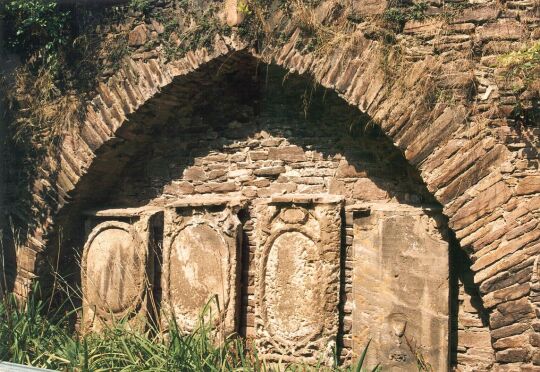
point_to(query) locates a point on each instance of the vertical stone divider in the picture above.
(400, 286)
(347, 299)
(118, 267)
(297, 278)
(535, 301)
(246, 327)
(201, 264)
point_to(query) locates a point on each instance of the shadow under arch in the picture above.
(235, 102)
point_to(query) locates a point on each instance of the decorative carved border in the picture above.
(317, 218)
(219, 214)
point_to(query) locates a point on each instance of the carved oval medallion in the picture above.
(114, 266)
(291, 287)
(294, 215)
(199, 269)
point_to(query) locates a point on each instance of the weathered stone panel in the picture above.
(201, 258)
(117, 267)
(400, 287)
(297, 277)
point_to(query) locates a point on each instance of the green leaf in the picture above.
(362, 358)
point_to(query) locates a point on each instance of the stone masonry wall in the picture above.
(258, 141)
(253, 135)
(470, 340)
(476, 157)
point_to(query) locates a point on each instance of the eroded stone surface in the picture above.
(200, 267)
(297, 278)
(117, 268)
(112, 261)
(200, 261)
(400, 288)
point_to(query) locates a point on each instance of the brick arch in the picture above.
(469, 160)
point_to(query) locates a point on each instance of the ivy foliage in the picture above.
(37, 30)
(396, 16)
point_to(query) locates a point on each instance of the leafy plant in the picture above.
(523, 68)
(143, 6)
(359, 367)
(243, 7)
(396, 17)
(37, 29)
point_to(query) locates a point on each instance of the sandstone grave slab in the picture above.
(297, 277)
(201, 258)
(400, 286)
(117, 266)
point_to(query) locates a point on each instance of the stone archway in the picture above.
(477, 167)
(215, 152)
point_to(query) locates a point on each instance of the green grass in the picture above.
(524, 63)
(33, 335)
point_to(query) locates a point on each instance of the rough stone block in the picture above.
(511, 312)
(179, 188)
(258, 155)
(511, 342)
(423, 28)
(506, 294)
(511, 355)
(137, 36)
(286, 153)
(511, 330)
(478, 15)
(366, 189)
(195, 174)
(501, 30)
(528, 185)
(233, 16)
(269, 171)
(474, 339)
(276, 189)
(481, 205)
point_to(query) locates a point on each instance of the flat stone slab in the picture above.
(116, 267)
(400, 286)
(201, 257)
(394, 207)
(307, 199)
(297, 278)
(208, 200)
(122, 212)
